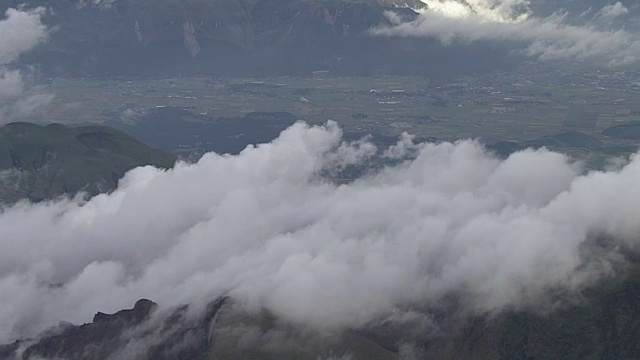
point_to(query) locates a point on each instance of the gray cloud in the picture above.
(20, 31)
(11, 85)
(511, 21)
(610, 12)
(264, 228)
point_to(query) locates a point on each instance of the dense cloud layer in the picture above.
(264, 228)
(599, 36)
(20, 31)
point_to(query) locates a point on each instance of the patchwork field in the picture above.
(497, 107)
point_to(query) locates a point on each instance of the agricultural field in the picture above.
(519, 107)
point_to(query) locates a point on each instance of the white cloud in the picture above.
(613, 11)
(510, 21)
(506, 11)
(263, 228)
(103, 4)
(20, 31)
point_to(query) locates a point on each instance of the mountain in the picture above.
(192, 134)
(241, 37)
(43, 162)
(223, 331)
(603, 322)
(625, 131)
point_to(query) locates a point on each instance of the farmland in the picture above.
(522, 106)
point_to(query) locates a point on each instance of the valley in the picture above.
(529, 106)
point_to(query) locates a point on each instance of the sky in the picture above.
(264, 228)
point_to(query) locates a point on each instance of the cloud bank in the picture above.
(20, 31)
(601, 39)
(264, 228)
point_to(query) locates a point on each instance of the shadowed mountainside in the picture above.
(243, 37)
(603, 322)
(43, 162)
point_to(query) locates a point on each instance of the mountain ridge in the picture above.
(242, 38)
(43, 162)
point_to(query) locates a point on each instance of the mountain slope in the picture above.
(223, 331)
(601, 323)
(42, 162)
(241, 37)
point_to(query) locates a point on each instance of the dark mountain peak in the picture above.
(96, 340)
(606, 315)
(127, 334)
(141, 310)
(224, 330)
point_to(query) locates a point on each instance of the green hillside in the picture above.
(42, 162)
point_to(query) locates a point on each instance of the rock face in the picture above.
(138, 333)
(238, 334)
(43, 162)
(91, 341)
(223, 331)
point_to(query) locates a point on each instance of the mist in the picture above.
(598, 36)
(21, 30)
(265, 228)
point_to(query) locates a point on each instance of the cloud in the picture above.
(11, 86)
(512, 22)
(613, 11)
(505, 11)
(20, 31)
(264, 228)
(102, 4)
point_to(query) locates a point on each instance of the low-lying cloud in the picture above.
(264, 228)
(20, 31)
(599, 38)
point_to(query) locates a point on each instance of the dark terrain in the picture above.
(244, 37)
(191, 135)
(44, 162)
(603, 322)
